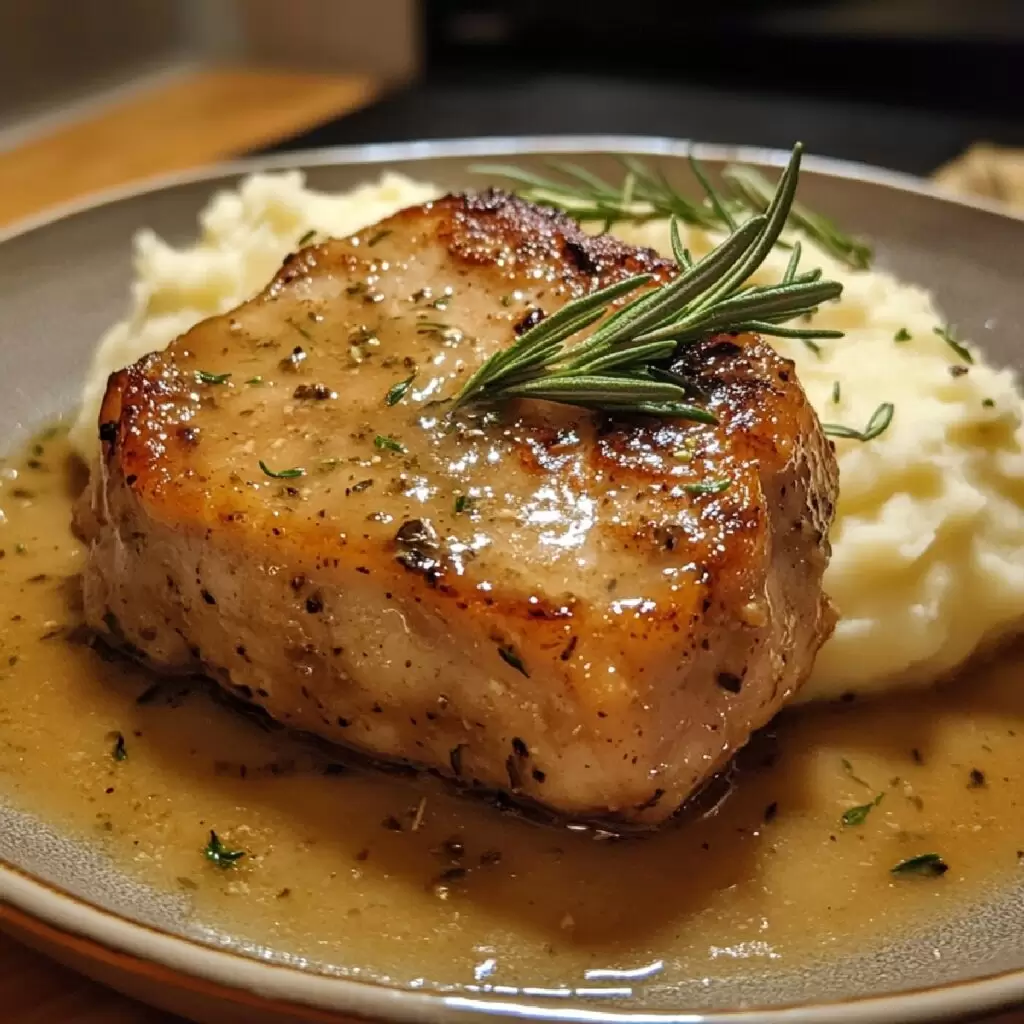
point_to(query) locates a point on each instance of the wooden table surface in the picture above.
(202, 117)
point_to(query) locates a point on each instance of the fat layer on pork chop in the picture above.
(590, 613)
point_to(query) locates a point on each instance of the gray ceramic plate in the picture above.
(65, 279)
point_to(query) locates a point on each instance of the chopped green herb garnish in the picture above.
(857, 815)
(378, 236)
(307, 237)
(385, 443)
(947, 335)
(432, 327)
(302, 330)
(120, 752)
(20, 549)
(928, 864)
(902, 335)
(510, 657)
(212, 378)
(464, 503)
(506, 300)
(836, 393)
(255, 380)
(282, 474)
(848, 768)
(708, 486)
(397, 391)
(988, 403)
(812, 345)
(878, 424)
(219, 854)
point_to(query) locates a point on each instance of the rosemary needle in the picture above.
(757, 192)
(646, 195)
(948, 335)
(878, 424)
(623, 366)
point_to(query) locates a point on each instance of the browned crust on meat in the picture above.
(753, 391)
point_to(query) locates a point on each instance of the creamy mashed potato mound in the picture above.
(928, 543)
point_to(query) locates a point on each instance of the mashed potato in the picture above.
(928, 544)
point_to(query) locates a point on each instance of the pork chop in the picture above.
(592, 614)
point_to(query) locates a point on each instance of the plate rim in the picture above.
(503, 146)
(67, 914)
(368, 1000)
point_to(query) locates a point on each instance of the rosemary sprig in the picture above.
(623, 366)
(756, 192)
(587, 197)
(645, 195)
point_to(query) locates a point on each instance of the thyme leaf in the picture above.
(902, 335)
(217, 853)
(926, 864)
(397, 391)
(708, 486)
(385, 443)
(857, 815)
(120, 751)
(282, 474)
(212, 378)
(510, 657)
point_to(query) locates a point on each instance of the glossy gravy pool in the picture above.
(398, 879)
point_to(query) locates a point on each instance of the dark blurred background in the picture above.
(148, 86)
(902, 83)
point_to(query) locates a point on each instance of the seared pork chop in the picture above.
(592, 614)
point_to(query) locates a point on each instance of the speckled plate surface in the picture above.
(65, 278)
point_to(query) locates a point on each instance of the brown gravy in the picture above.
(398, 879)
